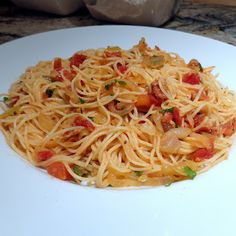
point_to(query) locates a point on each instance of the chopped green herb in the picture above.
(189, 172)
(171, 109)
(121, 82)
(110, 185)
(138, 173)
(91, 118)
(111, 94)
(49, 92)
(5, 99)
(76, 170)
(82, 101)
(200, 67)
(107, 86)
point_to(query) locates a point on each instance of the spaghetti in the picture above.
(114, 117)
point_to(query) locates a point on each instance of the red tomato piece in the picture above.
(145, 101)
(229, 128)
(58, 170)
(166, 121)
(77, 59)
(13, 101)
(206, 130)
(122, 68)
(80, 121)
(176, 116)
(202, 154)
(191, 78)
(57, 64)
(198, 119)
(70, 75)
(44, 155)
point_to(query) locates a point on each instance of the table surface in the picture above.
(214, 21)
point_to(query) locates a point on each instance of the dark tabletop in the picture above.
(214, 21)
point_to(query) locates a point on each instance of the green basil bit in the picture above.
(171, 109)
(82, 101)
(109, 185)
(49, 92)
(112, 94)
(5, 99)
(138, 173)
(107, 86)
(191, 174)
(121, 82)
(91, 118)
(76, 170)
(200, 67)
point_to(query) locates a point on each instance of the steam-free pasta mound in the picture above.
(118, 118)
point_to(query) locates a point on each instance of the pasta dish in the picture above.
(116, 118)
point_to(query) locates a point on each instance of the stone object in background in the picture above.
(60, 7)
(139, 12)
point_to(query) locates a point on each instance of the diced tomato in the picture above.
(166, 121)
(44, 155)
(176, 116)
(229, 128)
(191, 78)
(13, 101)
(202, 154)
(145, 101)
(156, 91)
(70, 75)
(57, 64)
(112, 54)
(80, 121)
(58, 170)
(77, 59)
(198, 119)
(157, 48)
(122, 68)
(141, 122)
(58, 78)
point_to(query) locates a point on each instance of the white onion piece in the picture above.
(180, 132)
(170, 143)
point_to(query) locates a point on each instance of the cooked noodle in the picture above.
(114, 117)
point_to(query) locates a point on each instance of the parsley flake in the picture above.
(191, 174)
(171, 109)
(138, 173)
(49, 92)
(76, 170)
(82, 101)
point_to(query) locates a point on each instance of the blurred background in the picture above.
(211, 18)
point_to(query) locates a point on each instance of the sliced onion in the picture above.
(170, 143)
(181, 133)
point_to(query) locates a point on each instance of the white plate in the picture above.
(33, 203)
